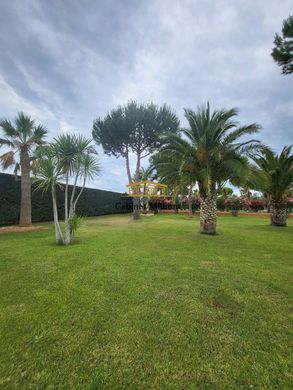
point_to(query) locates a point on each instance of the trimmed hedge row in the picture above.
(92, 202)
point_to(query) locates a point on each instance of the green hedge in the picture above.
(92, 202)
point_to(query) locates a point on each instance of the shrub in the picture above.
(290, 205)
(92, 202)
(221, 203)
(233, 204)
(257, 204)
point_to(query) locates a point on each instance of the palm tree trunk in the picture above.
(58, 232)
(208, 215)
(25, 205)
(278, 209)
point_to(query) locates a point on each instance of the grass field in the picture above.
(148, 304)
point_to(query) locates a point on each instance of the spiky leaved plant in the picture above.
(70, 157)
(210, 150)
(21, 137)
(272, 174)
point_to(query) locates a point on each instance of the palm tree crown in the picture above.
(273, 173)
(20, 137)
(210, 149)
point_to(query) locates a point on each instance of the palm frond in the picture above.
(90, 167)
(38, 135)
(8, 129)
(6, 142)
(7, 159)
(273, 173)
(24, 125)
(207, 151)
(240, 132)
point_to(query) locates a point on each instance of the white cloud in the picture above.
(79, 60)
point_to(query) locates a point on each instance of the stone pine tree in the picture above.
(21, 137)
(282, 52)
(134, 129)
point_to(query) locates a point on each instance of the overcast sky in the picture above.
(65, 62)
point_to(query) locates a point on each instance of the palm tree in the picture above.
(273, 175)
(171, 172)
(21, 137)
(210, 151)
(69, 157)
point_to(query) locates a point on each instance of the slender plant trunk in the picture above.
(136, 208)
(66, 199)
(79, 194)
(190, 208)
(208, 215)
(67, 239)
(58, 232)
(136, 199)
(128, 167)
(190, 203)
(68, 233)
(147, 205)
(25, 205)
(68, 236)
(177, 204)
(278, 209)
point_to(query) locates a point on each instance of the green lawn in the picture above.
(149, 304)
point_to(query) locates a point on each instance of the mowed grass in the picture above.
(148, 304)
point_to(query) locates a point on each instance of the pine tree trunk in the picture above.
(136, 207)
(147, 205)
(278, 209)
(136, 199)
(25, 205)
(208, 215)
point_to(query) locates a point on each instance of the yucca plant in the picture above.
(272, 174)
(70, 157)
(76, 161)
(49, 174)
(21, 137)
